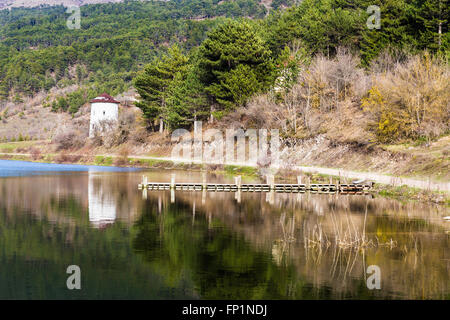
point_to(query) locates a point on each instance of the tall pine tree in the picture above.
(154, 81)
(234, 64)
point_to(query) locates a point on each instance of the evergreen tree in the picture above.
(323, 25)
(431, 23)
(396, 30)
(153, 83)
(186, 100)
(233, 52)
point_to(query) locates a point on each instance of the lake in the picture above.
(132, 244)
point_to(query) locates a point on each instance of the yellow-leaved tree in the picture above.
(412, 101)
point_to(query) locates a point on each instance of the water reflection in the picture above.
(322, 243)
(102, 205)
(213, 245)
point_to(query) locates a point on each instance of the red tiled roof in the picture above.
(104, 98)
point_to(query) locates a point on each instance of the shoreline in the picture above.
(108, 159)
(390, 186)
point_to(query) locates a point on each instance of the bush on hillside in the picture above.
(412, 101)
(69, 138)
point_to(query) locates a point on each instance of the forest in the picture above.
(38, 51)
(302, 68)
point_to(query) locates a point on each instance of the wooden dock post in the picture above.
(204, 181)
(338, 184)
(204, 187)
(172, 181)
(270, 180)
(144, 181)
(237, 182)
(172, 188)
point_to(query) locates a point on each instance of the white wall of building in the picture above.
(102, 111)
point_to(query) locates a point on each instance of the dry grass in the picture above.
(411, 101)
(344, 234)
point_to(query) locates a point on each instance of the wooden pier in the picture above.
(267, 187)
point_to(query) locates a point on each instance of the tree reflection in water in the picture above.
(213, 245)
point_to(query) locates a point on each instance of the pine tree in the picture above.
(232, 52)
(186, 99)
(431, 23)
(396, 30)
(152, 84)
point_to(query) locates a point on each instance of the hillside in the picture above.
(6, 4)
(341, 94)
(38, 52)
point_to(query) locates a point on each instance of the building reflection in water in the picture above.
(102, 205)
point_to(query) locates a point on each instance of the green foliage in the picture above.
(38, 51)
(60, 104)
(187, 99)
(158, 81)
(103, 161)
(325, 25)
(75, 100)
(241, 170)
(289, 64)
(410, 102)
(430, 16)
(234, 64)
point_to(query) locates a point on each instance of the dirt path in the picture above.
(380, 178)
(375, 177)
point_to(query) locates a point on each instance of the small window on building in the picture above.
(103, 112)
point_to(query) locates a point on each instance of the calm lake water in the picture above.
(195, 245)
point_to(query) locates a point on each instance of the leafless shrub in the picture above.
(105, 133)
(138, 135)
(319, 84)
(65, 157)
(97, 139)
(388, 60)
(123, 157)
(112, 133)
(35, 154)
(68, 138)
(345, 72)
(411, 101)
(127, 117)
(261, 112)
(325, 92)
